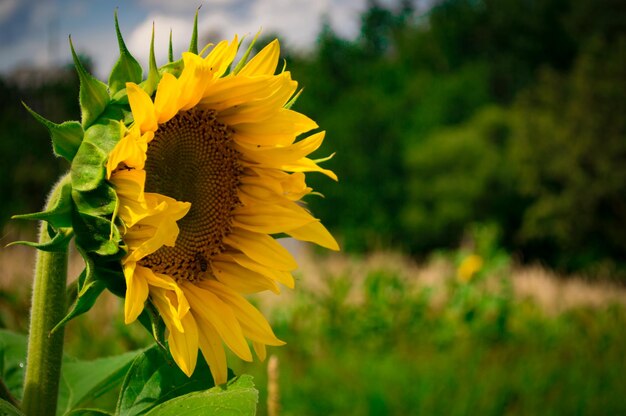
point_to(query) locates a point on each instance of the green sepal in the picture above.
(193, 45)
(154, 77)
(88, 170)
(66, 137)
(58, 242)
(60, 215)
(170, 50)
(88, 292)
(245, 56)
(92, 218)
(294, 99)
(126, 69)
(93, 95)
(100, 273)
(175, 68)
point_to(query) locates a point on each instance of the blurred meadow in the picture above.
(481, 209)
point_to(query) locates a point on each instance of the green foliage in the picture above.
(7, 409)
(456, 177)
(147, 382)
(27, 171)
(154, 379)
(384, 344)
(570, 147)
(83, 382)
(426, 111)
(237, 398)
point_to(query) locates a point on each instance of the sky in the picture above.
(35, 32)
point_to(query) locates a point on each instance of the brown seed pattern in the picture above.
(191, 159)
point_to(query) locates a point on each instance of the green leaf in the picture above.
(59, 215)
(126, 69)
(13, 361)
(88, 412)
(81, 381)
(237, 398)
(84, 381)
(93, 95)
(7, 409)
(66, 137)
(154, 378)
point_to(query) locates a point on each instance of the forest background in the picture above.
(499, 112)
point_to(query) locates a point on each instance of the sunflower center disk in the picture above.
(191, 159)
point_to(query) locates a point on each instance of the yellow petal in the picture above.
(271, 219)
(160, 225)
(241, 279)
(222, 56)
(174, 293)
(280, 276)
(142, 107)
(136, 293)
(130, 150)
(294, 186)
(207, 305)
(278, 156)
(184, 345)
(281, 128)
(260, 350)
(253, 324)
(260, 110)
(230, 91)
(307, 165)
(261, 248)
(192, 82)
(316, 233)
(129, 187)
(264, 62)
(166, 100)
(213, 351)
(167, 307)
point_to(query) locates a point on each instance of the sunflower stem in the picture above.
(45, 350)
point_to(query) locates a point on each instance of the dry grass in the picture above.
(552, 292)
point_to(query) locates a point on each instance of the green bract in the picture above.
(87, 206)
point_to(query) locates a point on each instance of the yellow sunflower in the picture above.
(209, 171)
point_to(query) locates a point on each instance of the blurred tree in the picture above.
(459, 176)
(570, 148)
(27, 167)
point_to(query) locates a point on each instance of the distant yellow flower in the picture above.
(205, 175)
(469, 267)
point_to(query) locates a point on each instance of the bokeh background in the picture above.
(481, 206)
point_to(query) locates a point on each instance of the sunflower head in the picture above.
(179, 185)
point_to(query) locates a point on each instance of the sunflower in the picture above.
(207, 174)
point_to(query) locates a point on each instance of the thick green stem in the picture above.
(45, 350)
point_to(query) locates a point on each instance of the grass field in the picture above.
(379, 334)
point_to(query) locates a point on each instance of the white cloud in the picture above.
(297, 22)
